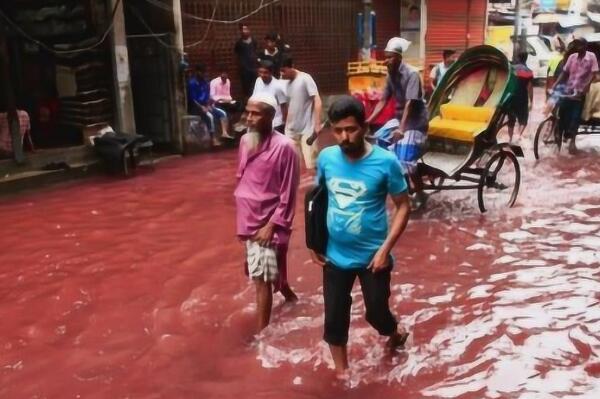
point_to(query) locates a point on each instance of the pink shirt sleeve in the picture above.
(284, 213)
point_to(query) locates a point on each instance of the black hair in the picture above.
(200, 68)
(267, 64)
(522, 56)
(580, 41)
(271, 36)
(413, 8)
(345, 107)
(287, 61)
(448, 53)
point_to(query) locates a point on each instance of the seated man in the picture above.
(198, 92)
(220, 96)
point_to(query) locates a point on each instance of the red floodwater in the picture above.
(134, 289)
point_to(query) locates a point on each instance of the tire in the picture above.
(547, 138)
(500, 181)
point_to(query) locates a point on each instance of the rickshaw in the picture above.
(549, 137)
(466, 112)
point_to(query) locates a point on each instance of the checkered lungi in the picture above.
(408, 150)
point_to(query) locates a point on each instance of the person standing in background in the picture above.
(246, 51)
(303, 122)
(267, 83)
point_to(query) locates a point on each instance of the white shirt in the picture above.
(277, 89)
(301, 94)
(438, 72)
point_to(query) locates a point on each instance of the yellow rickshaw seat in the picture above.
(460, 122)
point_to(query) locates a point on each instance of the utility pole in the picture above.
(122, 82)
(367, 29)
(517, 30)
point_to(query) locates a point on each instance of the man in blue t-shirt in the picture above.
(359, 177)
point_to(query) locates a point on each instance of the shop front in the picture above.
(58, 90)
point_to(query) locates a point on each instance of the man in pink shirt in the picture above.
(579, 71)
(268, 176)
(220, 89)
(220, 97)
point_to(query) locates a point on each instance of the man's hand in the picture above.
(264, 236)
(317, 259)
(380, 261)
(312, 138)
(397, 135)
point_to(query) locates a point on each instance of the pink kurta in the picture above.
(268, 181)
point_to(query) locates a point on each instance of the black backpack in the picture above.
(315, 218)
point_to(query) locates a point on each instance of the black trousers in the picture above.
(337, 288)
(248, 79)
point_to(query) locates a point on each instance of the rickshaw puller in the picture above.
(405, 134)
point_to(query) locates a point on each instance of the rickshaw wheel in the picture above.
(547, 138)
(500, 181)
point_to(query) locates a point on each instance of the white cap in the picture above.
(264, 98)
(397, 45)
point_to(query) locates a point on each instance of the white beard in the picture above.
(253, 140)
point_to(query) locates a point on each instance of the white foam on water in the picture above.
(436, 300)
(480, 291)
(517, 235)
(589, 241)
(506, 259)
(530, 262)
(510, 249)
(481, 247)
(585, 207)
(579, 228)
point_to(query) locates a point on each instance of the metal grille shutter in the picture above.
(321, 34)
(456, 24)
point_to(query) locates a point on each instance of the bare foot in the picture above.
(288, 294)
(397, 341)
(572, 147)
(342, 375)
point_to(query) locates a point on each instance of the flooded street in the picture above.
(134, 289)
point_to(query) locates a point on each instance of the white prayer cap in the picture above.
(397, 45)
(264, 98)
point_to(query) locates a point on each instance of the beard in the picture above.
(352, 149)
(253, 139)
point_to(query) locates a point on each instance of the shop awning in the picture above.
(594, 16)
(550, 18)
(593, 37)
(571, 21)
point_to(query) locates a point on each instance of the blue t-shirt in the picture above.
(356, 215)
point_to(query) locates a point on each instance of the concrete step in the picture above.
(28, 178)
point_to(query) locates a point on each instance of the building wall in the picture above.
(322, 35)
(456, 24)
